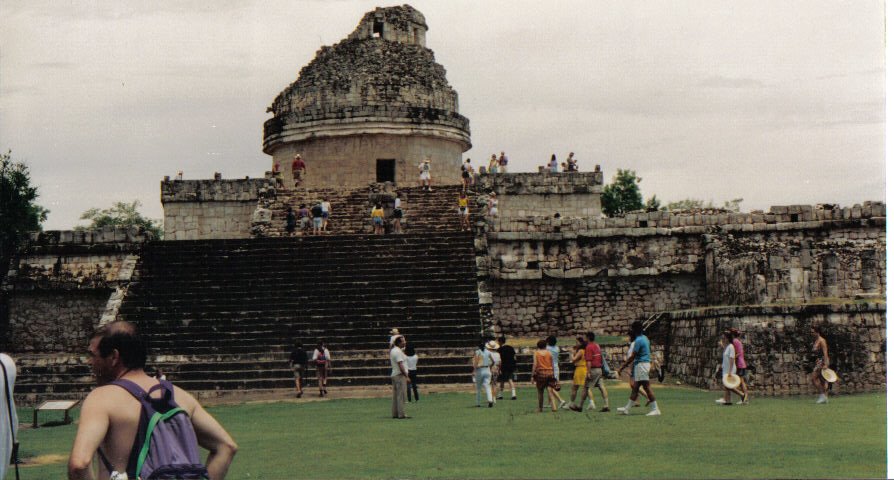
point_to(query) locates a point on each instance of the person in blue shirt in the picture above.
(641, 359)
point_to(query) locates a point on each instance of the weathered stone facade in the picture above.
(376, 97)
(63, 284)
(777, 343)
(576, 194)
(203, 209)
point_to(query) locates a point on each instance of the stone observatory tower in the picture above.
(371, 109)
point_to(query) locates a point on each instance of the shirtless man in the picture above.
(110, 414)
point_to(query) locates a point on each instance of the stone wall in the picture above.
(202, 209)
(662, 259)
(51, 321)
(61, 285)
(350, 161)
(602, 305)
(576, 194)
(777, 343)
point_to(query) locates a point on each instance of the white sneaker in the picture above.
(623, 411)
(592, 406)
(740, 402)
(653, 413)
(564, 405)
(822, 399)
(720, 401)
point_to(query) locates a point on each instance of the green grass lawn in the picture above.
(449, 438)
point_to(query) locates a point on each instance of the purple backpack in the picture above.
(165, 446)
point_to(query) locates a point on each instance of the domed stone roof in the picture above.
(382, 73)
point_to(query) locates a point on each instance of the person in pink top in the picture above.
(741, 365)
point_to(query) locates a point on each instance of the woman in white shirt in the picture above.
(323, 362)
(728, 367)
(412, 361)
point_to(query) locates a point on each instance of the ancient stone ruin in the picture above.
(227, 291)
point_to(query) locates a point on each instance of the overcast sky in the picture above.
(774, 102)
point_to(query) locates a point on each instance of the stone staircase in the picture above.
(222, 315)
(424, 211)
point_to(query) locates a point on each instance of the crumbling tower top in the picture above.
(402, 24)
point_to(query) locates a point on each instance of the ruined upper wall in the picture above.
(570, 194)
(199, 209)
(370, 80)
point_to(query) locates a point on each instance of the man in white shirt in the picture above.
(9, 421)
(399, 377)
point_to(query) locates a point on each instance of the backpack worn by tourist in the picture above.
(165, 446)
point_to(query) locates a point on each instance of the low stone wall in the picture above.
(204, 209)
(62, 284)
(54, 321)
(573, 194)
(601, 305)
(778, 344)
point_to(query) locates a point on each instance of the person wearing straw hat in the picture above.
(482, 361)
(395, 333)
(821, 353)
(493, 347)
(731, 381)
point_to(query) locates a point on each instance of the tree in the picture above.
(653, 204)
(19, 214)
(122, 215)
(622, 195)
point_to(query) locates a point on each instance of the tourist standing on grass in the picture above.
(397, 214)
(552, 346)
(728, 367)
(323, 361)
(464, 212)
(579, 378)
(595, 373)
(9, 420)
(378, 219)
(412, 362)
(399, 378)
(482, 360)
(493, 348)
(326, 209)
(641, 361)
(290, 221)
(741, 364)
(542, 376)
(114, 415)
(298, 364)
(507, 367)
(821, 360)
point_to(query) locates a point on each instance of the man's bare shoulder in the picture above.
(107, 395)
(185, 400)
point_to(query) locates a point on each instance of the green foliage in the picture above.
(122, 215)
(653, 204)
(696, 204)
(788, 437)
(622, 195)
(19, 212)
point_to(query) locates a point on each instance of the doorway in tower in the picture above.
(385, 170)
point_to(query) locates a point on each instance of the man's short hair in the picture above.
(124, 337)
(591, 336)
(502, 339)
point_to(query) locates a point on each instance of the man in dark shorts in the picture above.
(298, 364)
(507, 367)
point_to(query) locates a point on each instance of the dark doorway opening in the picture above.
(385, 170)
(378, 29)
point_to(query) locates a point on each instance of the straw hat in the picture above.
(829, 375)
(394, 331)
(492, 345)
(731, 381)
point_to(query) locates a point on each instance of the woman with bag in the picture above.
(323, 362)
